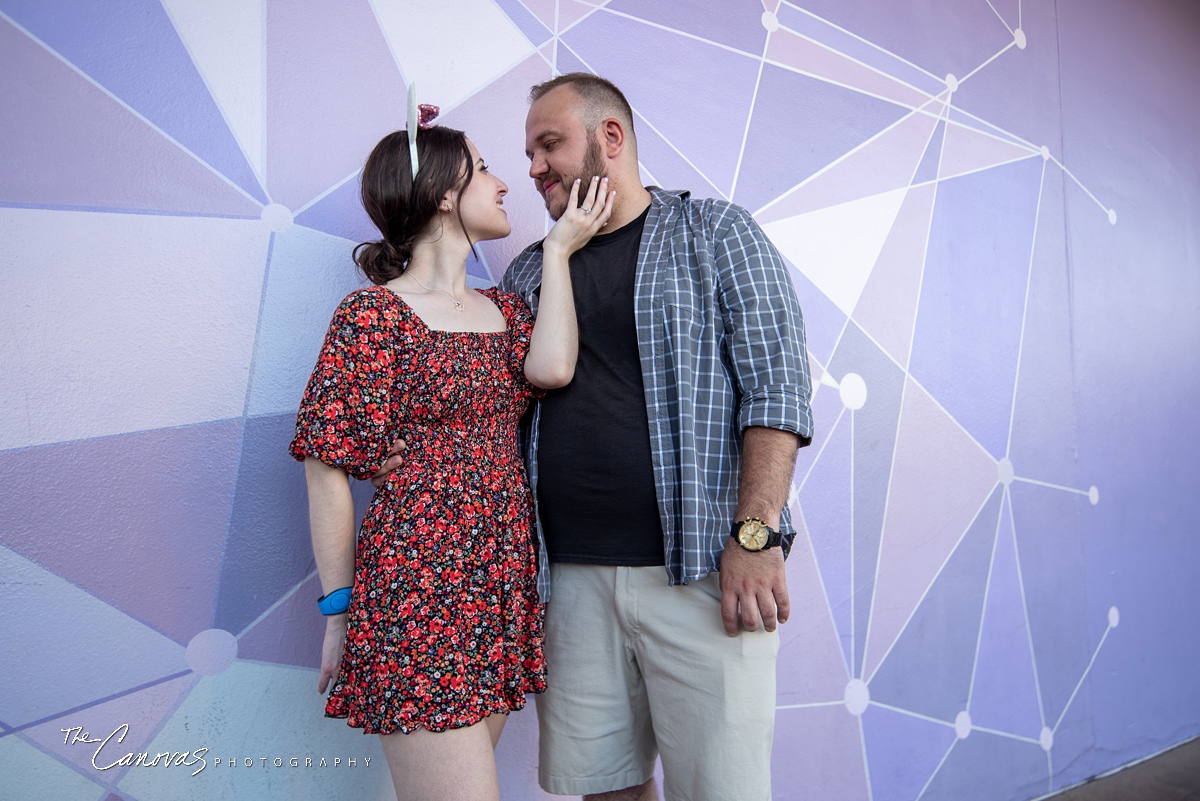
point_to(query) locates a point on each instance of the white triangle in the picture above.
(457, 49)
(837, 247)
(225, 40)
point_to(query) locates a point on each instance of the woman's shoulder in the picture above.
(371, 305)
(509, 303)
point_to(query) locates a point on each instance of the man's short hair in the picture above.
(601, 100)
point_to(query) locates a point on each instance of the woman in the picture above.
(433, 629)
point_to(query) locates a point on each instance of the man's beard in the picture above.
(593, 164)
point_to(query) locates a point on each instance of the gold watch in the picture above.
(754, 534)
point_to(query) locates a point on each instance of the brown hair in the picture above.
(601, 99)
(400, 209)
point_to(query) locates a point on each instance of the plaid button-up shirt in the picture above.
(721, 344)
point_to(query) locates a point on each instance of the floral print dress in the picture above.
(444, 627)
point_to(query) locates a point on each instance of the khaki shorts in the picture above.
(638, 669)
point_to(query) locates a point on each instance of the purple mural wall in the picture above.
(990, 208)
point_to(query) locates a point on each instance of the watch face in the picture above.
(753, 535)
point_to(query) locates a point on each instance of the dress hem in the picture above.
(458, 723)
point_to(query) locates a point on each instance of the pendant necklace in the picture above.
(458, 304)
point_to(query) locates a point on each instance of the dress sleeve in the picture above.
(346, 411)
(520, 328)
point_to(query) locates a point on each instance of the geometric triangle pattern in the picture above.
(903, 752)
(154, 76)
(1005, 693)
(938, 641)
(178, 205)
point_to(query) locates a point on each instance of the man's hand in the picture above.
(753, 585)
(392, 462)
(331, 650)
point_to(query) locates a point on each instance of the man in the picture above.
(682, 422)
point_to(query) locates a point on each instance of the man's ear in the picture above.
(613, 137)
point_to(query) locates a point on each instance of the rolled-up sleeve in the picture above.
(764, 328)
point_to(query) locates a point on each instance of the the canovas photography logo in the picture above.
(109, 754)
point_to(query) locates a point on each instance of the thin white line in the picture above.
(997, 13)
(1049, 770)
(262, 120)
(650, 125)
(1006, 734)
(1004, 50)
(1033, 151)
(1049, 485)
(1019, 13)
(994, 127)
(649, 174)
(216, 102)
(522, 4)
(1063, 167)
(987, 591)
(940, 118)
(795, 493)
(912, 714)
(277, 604)
(853, 662)
(933, 775)
(134, 111)
(1037, 683)
(853, 60)
(859, 38)
(862, 738)
(837, 640)
(557, 33)
(975, 171)
(549, 62)
(592, 6)
(326, 193)
(842, 158)
(1086, 670)
(1012, 415)
(925, 592)
(669, 29)
(670, 144)
(903, 393)
(812, 705)
(851, 87)
(737, 170)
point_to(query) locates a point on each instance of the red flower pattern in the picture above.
(444, 627)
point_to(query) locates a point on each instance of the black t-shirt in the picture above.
(596, 493)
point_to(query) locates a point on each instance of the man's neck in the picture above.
(627, 207)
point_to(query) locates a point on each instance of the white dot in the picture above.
(770, 21)
(211, 651)
(951, 82)
(1094, 495)
(1114, 617)
(277, 217)
(857, 697)
(1019, 38)
(962, 725)
(1004, 470)
(1046, 738)
(1045, 153)
(1112, 216)
(853, 391)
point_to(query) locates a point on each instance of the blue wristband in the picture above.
(335, 602)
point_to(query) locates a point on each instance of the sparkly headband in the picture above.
(421, 116)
